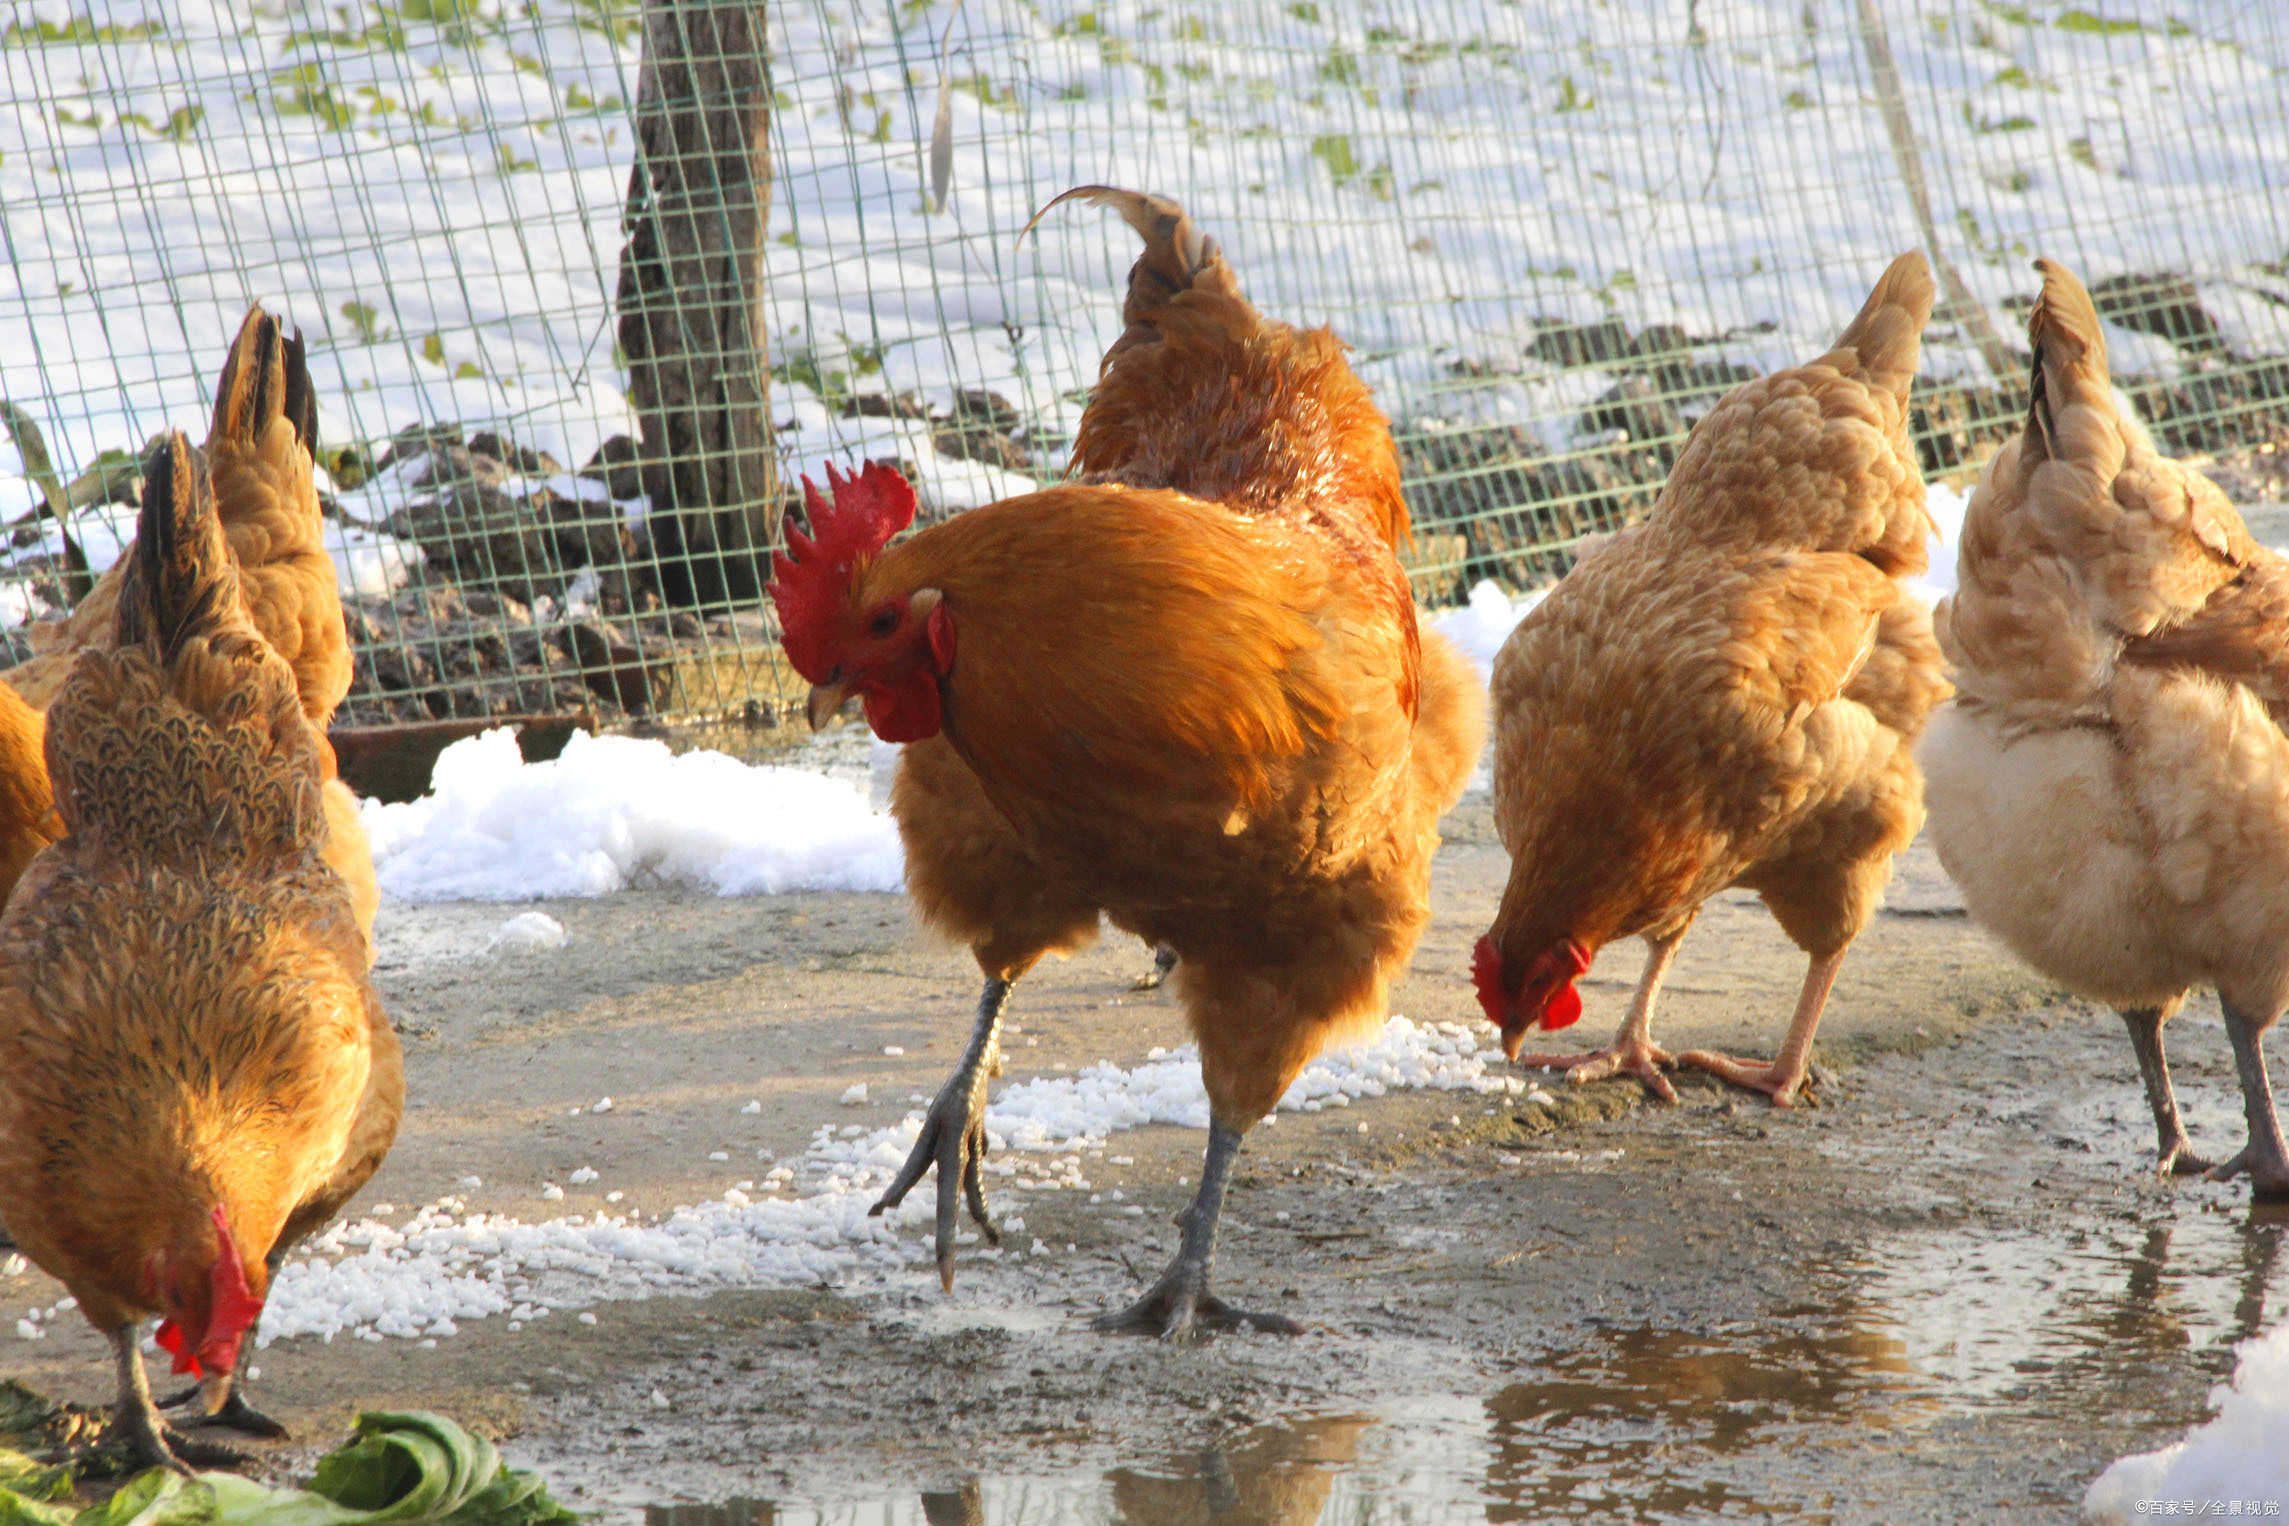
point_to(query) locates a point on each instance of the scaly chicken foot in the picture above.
(2174, 1151)
(954, 1135)
(234, 1413)
(1641, 1058)
(1163, 961)
(1179, 1306)
(1780, 1077)
(1632, 1051)
(135, 1419)
(2265, 1157)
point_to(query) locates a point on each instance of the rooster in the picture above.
(1186, 692)
(259, 450)
(1727, 695)
(194, 1069)
(2111, 785)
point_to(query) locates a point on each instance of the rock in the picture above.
(612, 665)
(616, 465)
(518, 458)
(973, 406)
(401, 667)
(885, 405)
(500, 606)
(416, 439)
(991, 446)
(2162, 304)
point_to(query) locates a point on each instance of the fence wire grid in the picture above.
(559, 400)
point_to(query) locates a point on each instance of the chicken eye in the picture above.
(884, 622)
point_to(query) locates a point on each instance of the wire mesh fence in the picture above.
(586, 282)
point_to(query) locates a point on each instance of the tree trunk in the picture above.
(691, 296)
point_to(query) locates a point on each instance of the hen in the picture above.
(1726, 695)
(259, 454)
(1187, 692)
(2111, 785)
(194, 1069)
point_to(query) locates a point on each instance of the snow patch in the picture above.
(2241, 1454)
(445, 1265)
(1482, 625)
(531, 932)
(617, 811)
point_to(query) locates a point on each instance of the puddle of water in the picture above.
(1926, 1352)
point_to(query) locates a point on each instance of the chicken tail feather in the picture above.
(265, 378)
(184, 581)
(1177, 257)
(2070, 356)
(1884, 344)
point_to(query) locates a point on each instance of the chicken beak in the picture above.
(1513, 1040)
(826, 699)
(214, 1390)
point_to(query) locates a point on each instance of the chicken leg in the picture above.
(954, 1135)
(2176, 1151)
(1180, 1303)
(1780, 1078)
(136, 1418)
(1632, 1051)
(2265, 1158)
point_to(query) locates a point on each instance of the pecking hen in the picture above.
(1728, 694)
(194, 1069)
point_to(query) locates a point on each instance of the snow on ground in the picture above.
(1480, 626)
(1946, 505)
(435, 193)
(617, 811)
(804, 1222)
(2241, 1454)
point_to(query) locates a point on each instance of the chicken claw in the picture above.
(1179, 1306)
(234, 1413)
(1777, 1079)
(148, 1440)
(1163, 961)
(954, 1136)
(1643, 1059)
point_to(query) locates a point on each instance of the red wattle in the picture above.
(907, 712)
(1563, 1009)
(171, 1338)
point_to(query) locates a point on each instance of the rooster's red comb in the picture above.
(811, 578)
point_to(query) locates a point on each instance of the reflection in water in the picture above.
(1640, 1422)
(732, 1512)
(2109, 1328)
(1275, 1475)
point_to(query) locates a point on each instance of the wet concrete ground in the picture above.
(1949, 1291)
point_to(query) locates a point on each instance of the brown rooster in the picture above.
(1187, 692)
(1726, 695)
(2111, 785)
(259, 453)
(194, 1069)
